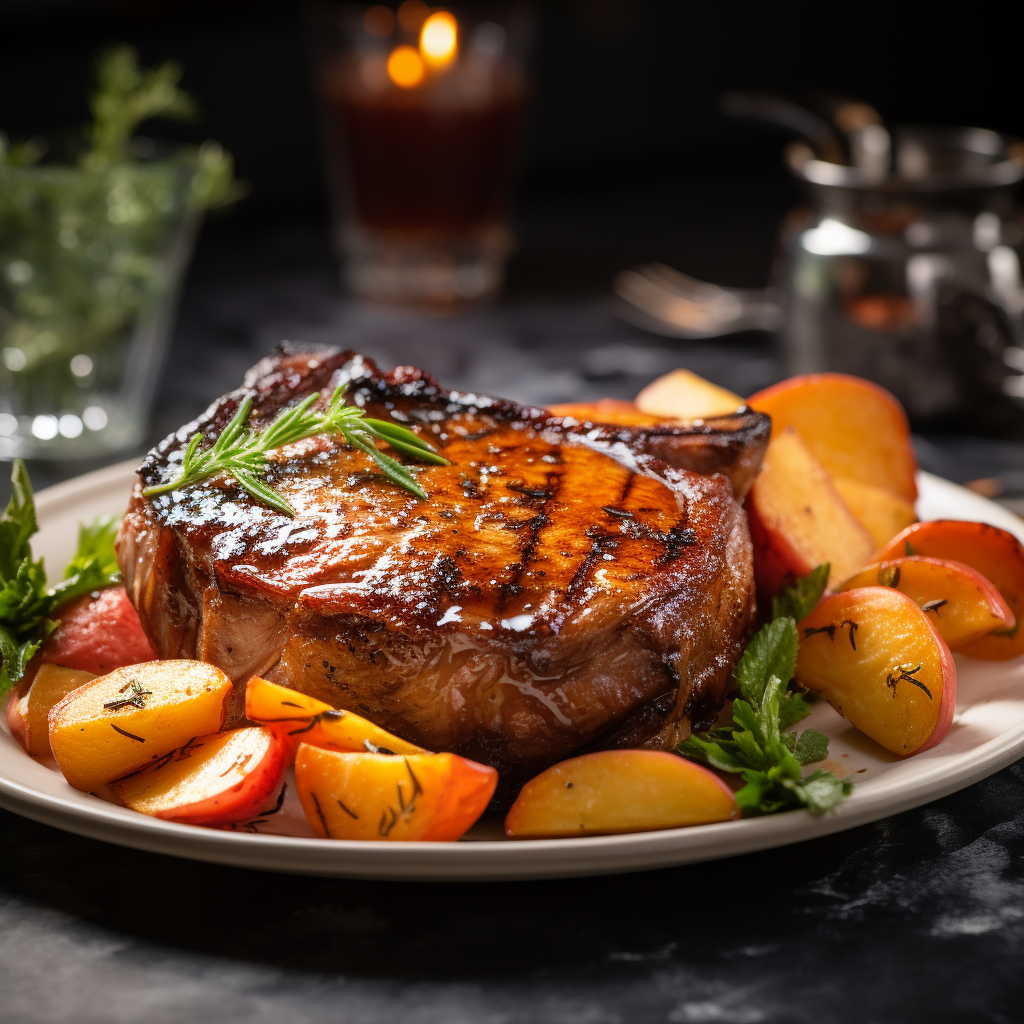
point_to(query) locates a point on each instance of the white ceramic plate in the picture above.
(987, 734)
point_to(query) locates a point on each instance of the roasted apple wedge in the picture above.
(855, 429)
(212, 780)
(875, 657)
(798, 520)
(881, 512)
(431, 797)
(682, 395)
(619, 791)
(993, 552)
(302, 719)
(96, 633)
(606, 410)
(961, 604)
(133, 716)
(28, 715)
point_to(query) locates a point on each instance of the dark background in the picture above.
(916, 918)
(625, 101)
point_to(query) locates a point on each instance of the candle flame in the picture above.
(405, 67)
(439, 39)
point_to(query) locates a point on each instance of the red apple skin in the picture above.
(854, 428)
(989, 550)
(947, 706)
(237, 801)
(619, 791)
(935, 578)
(16, 721)
(95, 634)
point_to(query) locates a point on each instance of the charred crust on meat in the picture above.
(560, 583)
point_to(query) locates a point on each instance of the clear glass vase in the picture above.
(91, 263)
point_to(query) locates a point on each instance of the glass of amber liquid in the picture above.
(422, 111)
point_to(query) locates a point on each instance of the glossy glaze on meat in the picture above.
(562, 588)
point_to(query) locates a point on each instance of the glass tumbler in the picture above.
(90, 267)
(421, 111)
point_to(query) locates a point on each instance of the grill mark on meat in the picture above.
(626, 488)
(614, 581)
(602, 543)
(552, 486)
(673, 540)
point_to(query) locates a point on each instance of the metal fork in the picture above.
(675, 305)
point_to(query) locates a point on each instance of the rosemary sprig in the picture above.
(241, 451)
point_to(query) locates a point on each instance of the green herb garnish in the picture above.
(240, 451)
(26, 602)
(91, 228)
(136, 699)
(799, 600)
(754, 744)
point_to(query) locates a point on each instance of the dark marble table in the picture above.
(918, 917)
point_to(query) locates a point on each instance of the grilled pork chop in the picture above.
(561, 589)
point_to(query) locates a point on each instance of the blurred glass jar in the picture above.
(911, 277)
(421, 111)
(91, 263)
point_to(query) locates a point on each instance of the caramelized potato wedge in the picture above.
(606, 410)
(993, 552)
(619, 791)
(682, 395)
(213, 780)
(855, 429)
(302, 719)
(961, 604)
(28, 715)
(875, 657)
(133, 716)
(798, 520)
(430, 797)
(882, 513)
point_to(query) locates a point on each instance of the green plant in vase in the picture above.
(91, 252)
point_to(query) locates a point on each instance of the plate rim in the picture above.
(481, 860)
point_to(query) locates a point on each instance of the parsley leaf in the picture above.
(799, 600)
(772, 652)
(754, 744)
(26, 602)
